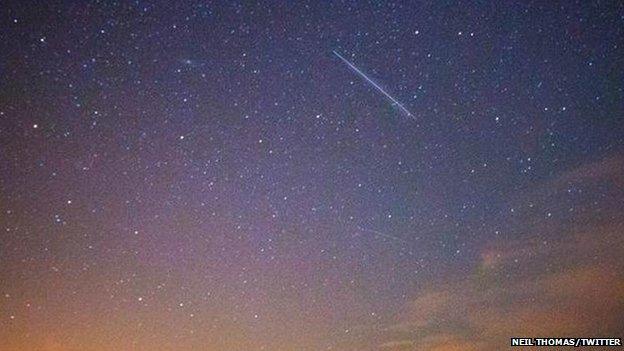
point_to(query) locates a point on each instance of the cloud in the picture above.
(526, 289)
(599, 181)
(560, 277)
(607, 169)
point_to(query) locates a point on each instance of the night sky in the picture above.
(212, 176)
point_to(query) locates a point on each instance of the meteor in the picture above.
(378, 233)
(395, 101)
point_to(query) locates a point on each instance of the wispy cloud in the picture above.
(523, 289)
(563, 279)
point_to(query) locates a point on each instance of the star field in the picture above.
(211, 176)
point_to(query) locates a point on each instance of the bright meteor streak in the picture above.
(395, 101)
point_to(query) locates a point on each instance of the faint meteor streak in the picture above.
(395, 101)
(378, 233)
